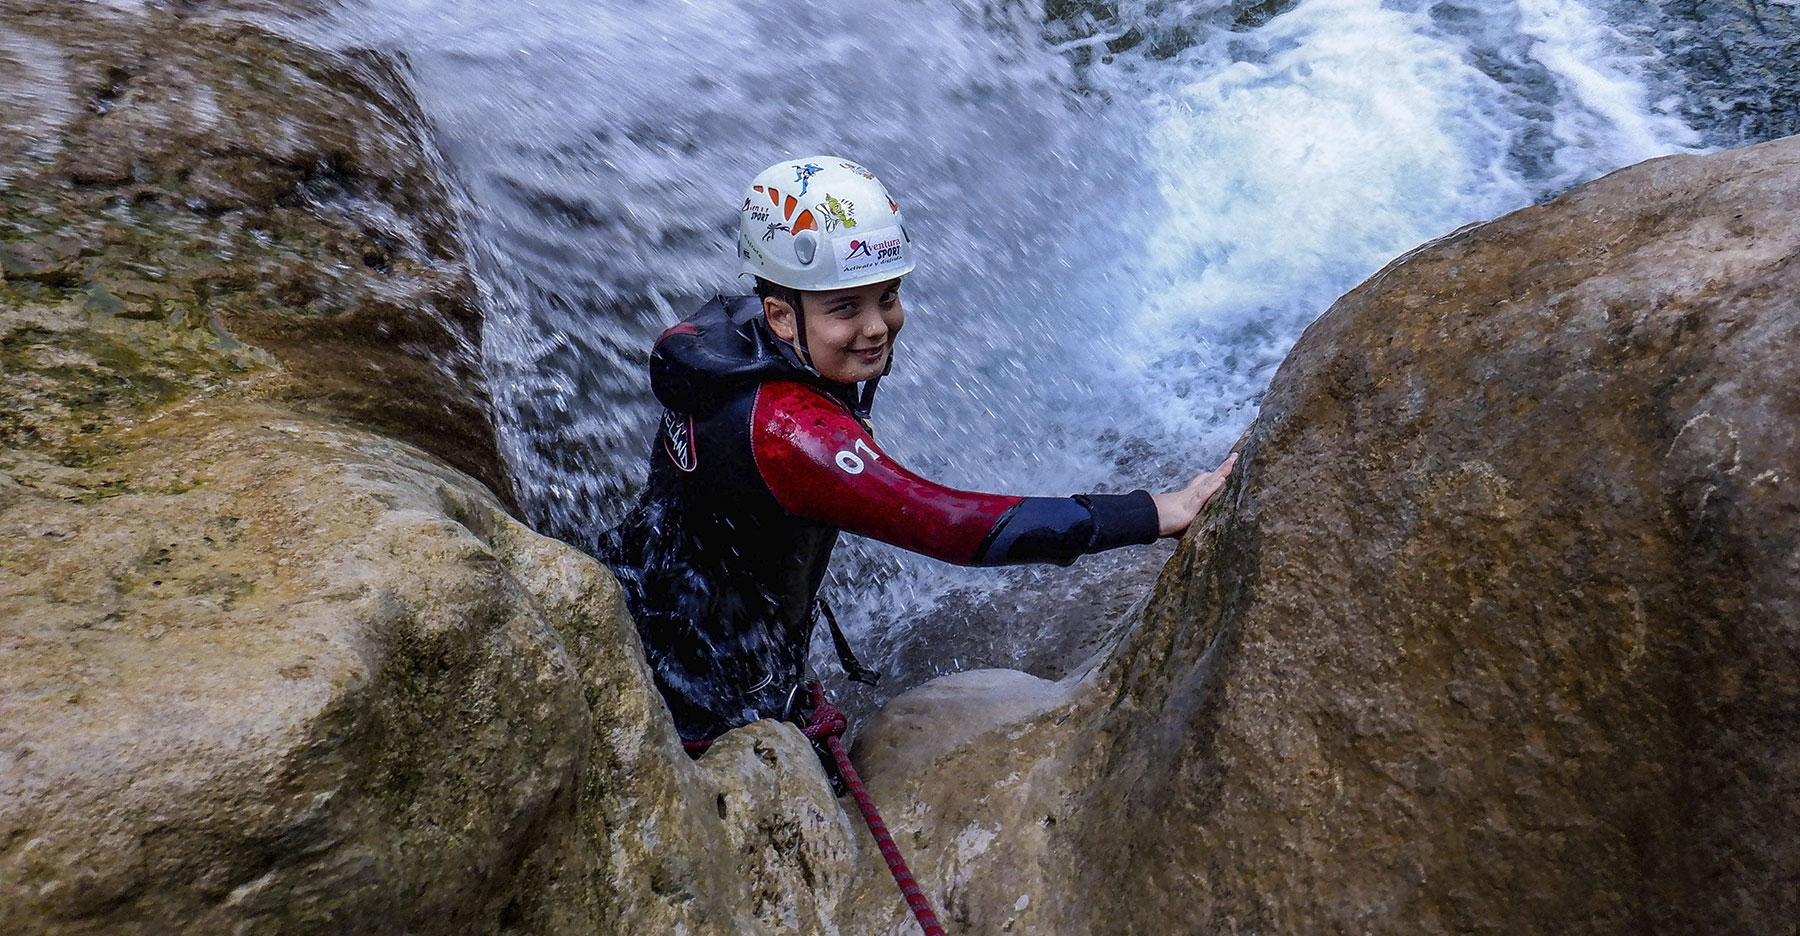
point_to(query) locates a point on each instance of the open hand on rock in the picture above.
(1176, 510)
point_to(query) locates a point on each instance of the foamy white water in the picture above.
(1116, 247)
(1338, 136)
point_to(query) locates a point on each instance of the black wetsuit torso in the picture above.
(757, 465)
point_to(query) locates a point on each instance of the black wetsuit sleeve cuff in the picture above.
(1121, 519)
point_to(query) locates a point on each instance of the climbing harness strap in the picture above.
(853, 667)
(828, 726)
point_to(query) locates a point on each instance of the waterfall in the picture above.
(1125, 213)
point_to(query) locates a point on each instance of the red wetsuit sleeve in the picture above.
(821, 464)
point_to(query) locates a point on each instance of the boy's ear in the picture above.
(780, 316)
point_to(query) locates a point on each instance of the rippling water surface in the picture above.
(1125, 213)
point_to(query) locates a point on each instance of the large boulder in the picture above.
(269, 674)
(1494, 631)
(265, 670)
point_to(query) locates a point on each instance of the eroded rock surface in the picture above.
(1498, 629)
(1737, 58)
(231, 696)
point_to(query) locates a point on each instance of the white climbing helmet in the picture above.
(822, 222)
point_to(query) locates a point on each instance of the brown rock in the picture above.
(52, 261)
(265, 671)
(1495, 631)
(259, 675)
(267, 674)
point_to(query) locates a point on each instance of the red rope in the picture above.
(828, 724)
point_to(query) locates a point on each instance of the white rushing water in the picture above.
(1125, 215)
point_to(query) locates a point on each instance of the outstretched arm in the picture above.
(821, 464)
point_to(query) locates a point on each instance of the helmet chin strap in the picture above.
(800, 332)
(865, 400)
(865, 397)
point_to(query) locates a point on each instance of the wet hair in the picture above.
(766, 289)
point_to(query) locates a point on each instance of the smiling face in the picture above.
(849, 332)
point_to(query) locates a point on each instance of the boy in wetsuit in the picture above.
(765, 453)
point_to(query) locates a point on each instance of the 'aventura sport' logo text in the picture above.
(872, 252)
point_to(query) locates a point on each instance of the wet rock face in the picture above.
(181, 166)
(1503, 623)
(1495, 632)
(268, 667)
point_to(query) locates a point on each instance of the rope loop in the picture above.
(827, 720)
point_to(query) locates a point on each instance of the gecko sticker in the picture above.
(839, 213)
(794, 219)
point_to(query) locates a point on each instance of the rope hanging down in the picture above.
(828, 725)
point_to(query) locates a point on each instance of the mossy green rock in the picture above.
(184, 167)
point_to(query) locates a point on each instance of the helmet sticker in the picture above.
(804, 174)
(871, 253)
(851, 217)
(803, 221)
(839, 213)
